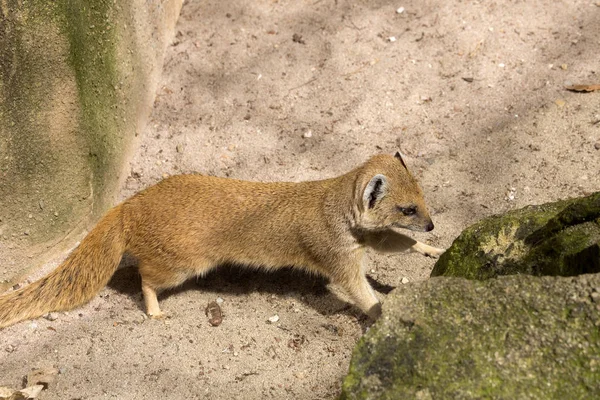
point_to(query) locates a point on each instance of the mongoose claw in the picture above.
(435, 252)
(158, 316)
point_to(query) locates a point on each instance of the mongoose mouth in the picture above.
(429, 227)
(397, 225)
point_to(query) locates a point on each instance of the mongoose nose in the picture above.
(429, 226)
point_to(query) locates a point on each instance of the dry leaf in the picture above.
(31, 392)
(43, 377)
(583, 88)
(28, 393)
(216, 316)
(17, 396)
(5, 393)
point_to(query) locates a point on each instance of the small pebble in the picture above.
(307, 134)
(300, 375)
(10, 348)
(392, 39)
(597, 145)
(220, 301)
(400, 10)
(213, 311)
(274, 319)
(51, 316)
(511, 194)
(404, 280)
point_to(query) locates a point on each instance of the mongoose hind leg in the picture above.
(154, 279)
(151, 301)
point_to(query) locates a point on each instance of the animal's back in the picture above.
(195, 221)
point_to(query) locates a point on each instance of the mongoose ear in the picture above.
(375, 190)
(399, 157)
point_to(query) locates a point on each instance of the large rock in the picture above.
(515, 337)
(561, 238)
(77, 82)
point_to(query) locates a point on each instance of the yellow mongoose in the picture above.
(187, 224)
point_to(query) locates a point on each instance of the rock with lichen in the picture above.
(559, 239)
(515, 337)
(527, 335)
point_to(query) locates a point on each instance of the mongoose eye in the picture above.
(410, 210)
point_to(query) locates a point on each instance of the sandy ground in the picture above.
(473, 94)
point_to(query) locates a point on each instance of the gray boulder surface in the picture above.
(515, 337)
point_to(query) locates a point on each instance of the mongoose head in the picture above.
(391, 197)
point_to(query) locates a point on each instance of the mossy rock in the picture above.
(77, 81)
(558, 239)
(515, 337)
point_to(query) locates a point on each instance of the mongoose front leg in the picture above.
(357, 287)
(152, 308)
(390, 241)
(427, 250)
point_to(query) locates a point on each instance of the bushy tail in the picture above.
(77, 280)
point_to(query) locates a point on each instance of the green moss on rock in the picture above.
(561, 238)
(76, 79)
(513, 337)
(90, 28)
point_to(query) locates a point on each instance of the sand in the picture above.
(471, 92)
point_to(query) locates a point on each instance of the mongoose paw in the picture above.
(159, 315)
(374, 312)
(435, 252)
